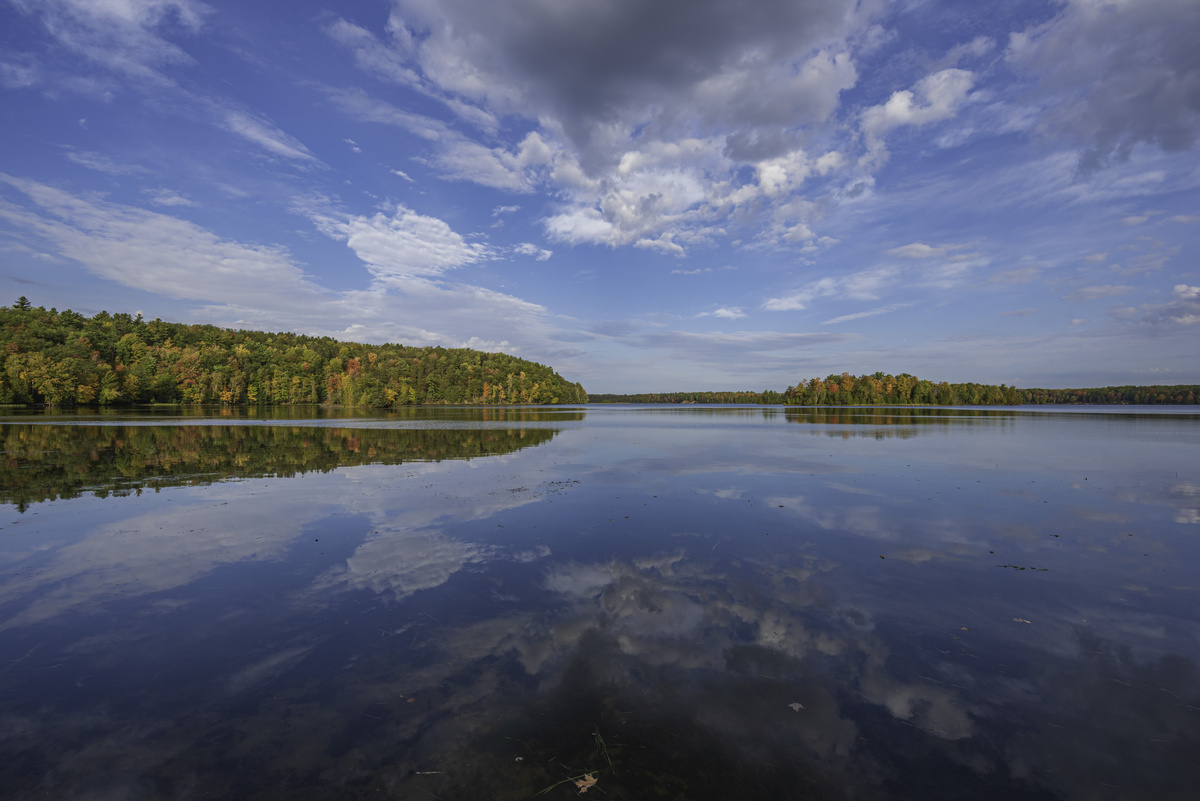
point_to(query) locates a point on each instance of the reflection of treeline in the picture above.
(45, 462)
(64, 358)
(847, 390)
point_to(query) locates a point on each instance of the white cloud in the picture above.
(863, 285)
(1096, 292)
(709, 346)
(102, 163)
(518, 170)
(263, 133)
(730, 313)
(403, 243)
(18, 76)
(124, 36)
(919, 250)
(371, 55)
(167, 197)
(978, 47)
(1020, 275)
(530, 249)
(153, 252)
(262, 287)
(1114, 74)
(359, 105)
(353, 145)
(642, 150)
(845, 318)
(934, 98)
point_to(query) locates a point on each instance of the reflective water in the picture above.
(677, 602)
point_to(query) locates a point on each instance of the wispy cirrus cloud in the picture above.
(1099, 291)
(262, 132)
(151, 251)
(845, 318)
(129, 38)
(863, 285)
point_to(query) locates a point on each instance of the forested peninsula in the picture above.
(67, 359)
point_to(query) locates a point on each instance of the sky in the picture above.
(647, 195)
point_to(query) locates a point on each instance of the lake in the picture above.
(636, 602)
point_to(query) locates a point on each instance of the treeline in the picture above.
(685, 397)
(845, 389)
(1170, 394)
(883, 389)
(47, 462)
(67, 359)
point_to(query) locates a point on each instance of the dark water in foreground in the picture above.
(681, 603)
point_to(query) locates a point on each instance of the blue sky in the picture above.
(664, 195)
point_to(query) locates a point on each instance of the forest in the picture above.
(878, 389)
(67, 359)
(882, 389)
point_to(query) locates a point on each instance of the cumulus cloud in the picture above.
(1182, 309)
(934, 98)
(599, 69)
(530, 249)
(731, 313)
(642, 124)
(1114, 75)
(403, 242)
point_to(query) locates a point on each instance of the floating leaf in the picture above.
(796, 707)
(587, 781)
(1021, 620)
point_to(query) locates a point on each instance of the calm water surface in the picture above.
(676, 602)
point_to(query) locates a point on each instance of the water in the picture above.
(677, 602)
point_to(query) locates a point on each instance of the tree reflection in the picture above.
(48, 462)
